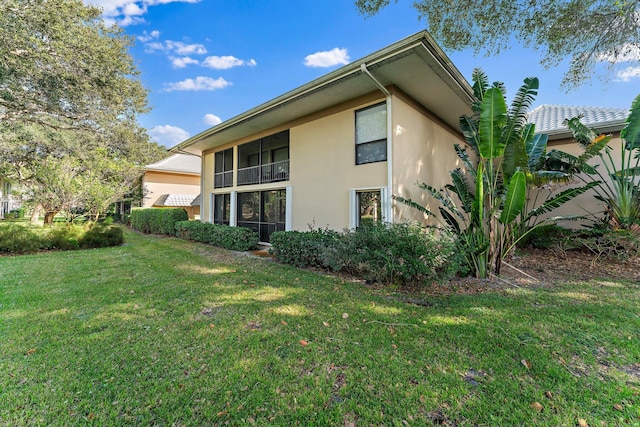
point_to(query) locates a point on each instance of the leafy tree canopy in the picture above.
(61, 66)
(587, 31)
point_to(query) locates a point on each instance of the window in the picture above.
(264, 160)
(371, 134)
(369, 208)
(223, 174)
(262, 211)
(222, 208)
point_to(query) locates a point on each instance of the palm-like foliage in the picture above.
(617, 189)
(485, 202)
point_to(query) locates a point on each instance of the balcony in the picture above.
(270, 172)
(223, 179)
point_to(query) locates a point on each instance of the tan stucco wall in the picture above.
(324, 170)
(422, 153)
(159, 183)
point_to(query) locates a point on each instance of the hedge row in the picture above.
(23, 238)
(157, 220)
(397, 253)
(224, 236)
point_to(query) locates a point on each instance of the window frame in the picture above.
(372, 141)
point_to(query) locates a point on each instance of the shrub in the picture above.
(224, 236)
(397, 253)
(16, 213)
(305, 249)
(157, 220)
(19, 239)
(102, 236)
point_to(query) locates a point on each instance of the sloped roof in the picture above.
(179, 163)
(549, 118)
(415, 65)
(168, 200)
(196, 201)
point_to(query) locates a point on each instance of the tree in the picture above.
(70, 95)
(486, 202)
(62, 67)
(585, 31)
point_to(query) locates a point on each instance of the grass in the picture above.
(167, 332)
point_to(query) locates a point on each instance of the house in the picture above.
(8, 201)
(171, 182)
(332, 152)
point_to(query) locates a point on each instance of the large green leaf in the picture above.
(450, 220)
(517, 118)
(477, 211)
(460, 187)
(515, 153)
(560, 199)
(413, 204)
(493, 117)
(536, 148)
(469, 164)
(516, 195)
(631, 132)
(470, 132)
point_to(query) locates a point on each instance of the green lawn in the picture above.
(167, 332)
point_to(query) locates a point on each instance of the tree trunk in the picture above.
(35, 215)
(48, 217)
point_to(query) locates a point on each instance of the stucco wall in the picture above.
(324, 170)
(159, 183)
(422, 153)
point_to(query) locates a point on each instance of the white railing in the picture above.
(270, 172)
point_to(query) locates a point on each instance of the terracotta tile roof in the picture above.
(549, 118)
(178, 163)
(175, 200)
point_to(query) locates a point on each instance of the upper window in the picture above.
(371, 134)
(223, 174)
(264, 160)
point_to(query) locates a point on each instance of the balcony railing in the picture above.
(223, 179)
(270, 172)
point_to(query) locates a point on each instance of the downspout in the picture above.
(388, 211)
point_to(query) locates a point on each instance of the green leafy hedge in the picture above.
(24, 238)
(157, 220)
(397, 253)
(224, 236)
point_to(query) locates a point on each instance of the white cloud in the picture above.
(625, 53)
(627, 74)
(168, 135)
(183, 61)
(211, 119)
(147, 37)
(226, 62)
(197, 84)
(328, 58)
(178, 48)
(128, 12)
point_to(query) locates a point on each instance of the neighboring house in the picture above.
(550, 119)
(8, 201)
(332, 152)
(173, 182)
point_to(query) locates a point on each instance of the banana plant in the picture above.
(486, 200)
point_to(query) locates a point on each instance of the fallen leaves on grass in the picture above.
(537, 406)
(31, 351)
(582, 422)
(345, 315)
(526, 364)
(304, 343)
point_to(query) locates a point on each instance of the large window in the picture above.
(371, 134)
(222, 208)
(262, 211)
(369, 208)
(264, 160)
(223, 174)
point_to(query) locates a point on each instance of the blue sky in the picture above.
(210, 60)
